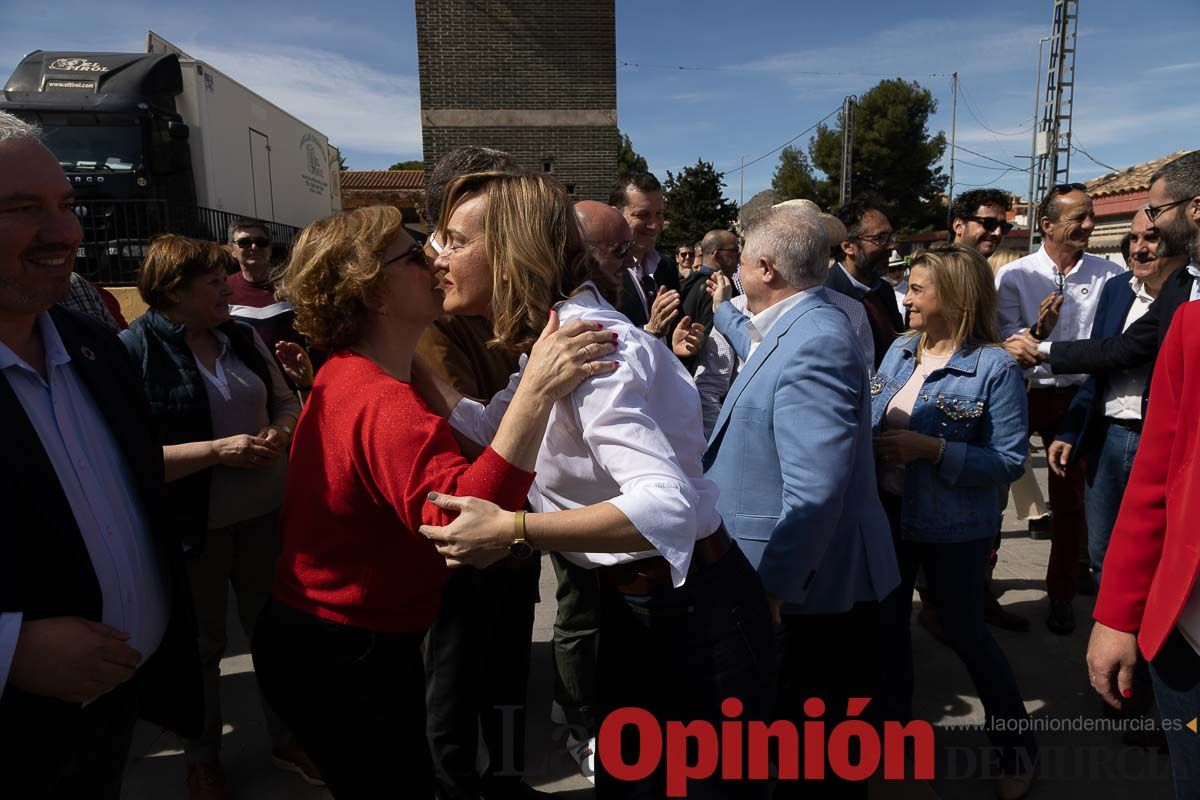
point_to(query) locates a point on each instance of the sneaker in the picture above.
(291, 757)
(207, 782)
(584, 753)
(997, 616)
(1061, 620)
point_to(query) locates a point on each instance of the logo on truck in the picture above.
(77, 65)
(314, 159)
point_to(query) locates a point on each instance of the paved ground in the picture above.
(1049, 669)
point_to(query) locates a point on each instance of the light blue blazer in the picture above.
(792, 455)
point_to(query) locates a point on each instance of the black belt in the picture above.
(1134, 425)
(648, 575)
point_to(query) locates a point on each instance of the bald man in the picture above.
(720, 254)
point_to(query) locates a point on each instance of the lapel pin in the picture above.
(87, 353)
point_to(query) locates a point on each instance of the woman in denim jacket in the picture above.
(950, 418)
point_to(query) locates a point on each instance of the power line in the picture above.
(780, 71)
(1075, 146)
(979, 117)
(785, 144)
(982, 166)
(989, 158)
(993, 180)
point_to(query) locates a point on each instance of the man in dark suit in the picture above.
(95, 617)
(864, 253)
(1174, 210)
(1104, 423)
(650, 287)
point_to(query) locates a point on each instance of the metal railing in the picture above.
(116, 234)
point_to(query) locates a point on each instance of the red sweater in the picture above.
(366, 452)
(1154, 557)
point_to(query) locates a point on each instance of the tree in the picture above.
(628, 159)
(696, 204)
(416, 164)
(793, 177)
(893, 154)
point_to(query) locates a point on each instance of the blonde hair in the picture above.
(173, 261)
(1003, 257)
(336, 271)
(965, 290)
(534, 243)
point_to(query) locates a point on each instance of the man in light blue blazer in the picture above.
(792, 455)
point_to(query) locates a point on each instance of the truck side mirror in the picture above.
(178, 130)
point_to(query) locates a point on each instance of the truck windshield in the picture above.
(89, 148)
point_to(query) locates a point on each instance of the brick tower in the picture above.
(535, 78)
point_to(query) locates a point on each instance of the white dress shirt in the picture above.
(1022, 285)
(1123, 399)
(641, 269)
(632, 438)
(855, 282)
(760, 324)
(901, 291)
(1194, 270)
(100, 492)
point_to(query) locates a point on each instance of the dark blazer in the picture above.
(1081, 426)
(1136, 346)
(45, 569)
(880, 304)
(665, 274)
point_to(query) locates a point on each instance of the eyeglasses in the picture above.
(1152, 212)
(880, 239)
(1060, 281)
(620, 250)
(260, 242)
(415, 252)
(990, 224)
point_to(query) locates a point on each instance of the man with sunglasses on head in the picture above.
(864, 255)
(1059, 275)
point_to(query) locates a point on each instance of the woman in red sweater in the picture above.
(337, 649)
(1149, 593)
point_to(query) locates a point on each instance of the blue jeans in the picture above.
(1105, 487)
(955, 573)
(1176, 675)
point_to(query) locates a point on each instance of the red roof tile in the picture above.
(382, 179)
(1130, 179)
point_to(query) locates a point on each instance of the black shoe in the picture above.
(1086, 584)
(1039, 529)
(1062, 617)
(996, 615)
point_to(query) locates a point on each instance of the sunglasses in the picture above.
(415, 252)
(990, 224)
(1152, 212)
(258, 241)
(620, 250)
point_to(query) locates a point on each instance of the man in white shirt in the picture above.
(1060, 267)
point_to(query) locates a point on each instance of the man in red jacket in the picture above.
(1149, 594)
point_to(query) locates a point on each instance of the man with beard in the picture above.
(865, 251)
(96, 623)
(977, 219)
(1174, 211)
(1023, 290)
(1104, 423)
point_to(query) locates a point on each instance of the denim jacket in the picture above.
(977, 404)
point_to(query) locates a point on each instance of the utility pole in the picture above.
(953, 131)
(1054, 163)
(1033, 147)
(847, 146)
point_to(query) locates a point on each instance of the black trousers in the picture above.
(353, 698)
(477, 672)
(54, 752)
(678, 654)
(833, 657)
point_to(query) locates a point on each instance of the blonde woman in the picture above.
(949, 411)
(619, 488)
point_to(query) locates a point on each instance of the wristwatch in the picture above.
(519, 548)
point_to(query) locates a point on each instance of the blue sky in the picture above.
(758, 72)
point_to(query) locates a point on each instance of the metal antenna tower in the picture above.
(847, 147)
(1054, 146)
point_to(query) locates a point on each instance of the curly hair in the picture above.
(172, 261)
(336, 271)
(966, 291)
(533, 240)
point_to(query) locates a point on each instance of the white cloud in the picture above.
(1174, 67)
(357, 106)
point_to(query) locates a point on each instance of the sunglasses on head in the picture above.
(990, 224)
(259, 241)
(1063, 188)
